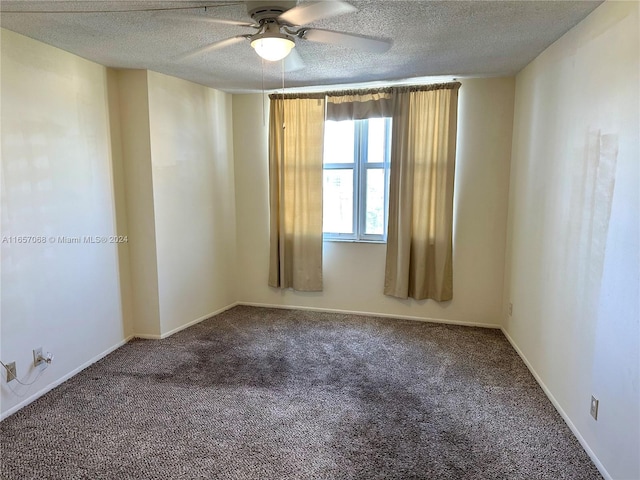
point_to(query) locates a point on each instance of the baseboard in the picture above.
(66, 377)
(63, 379)
(372, 314)
(557, 406)
(186, 325)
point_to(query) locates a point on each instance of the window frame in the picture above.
(360, 166)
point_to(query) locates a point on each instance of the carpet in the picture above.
(257, 393)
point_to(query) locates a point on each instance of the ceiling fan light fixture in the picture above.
(272, 46)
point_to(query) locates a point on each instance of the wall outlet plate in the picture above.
(594, 407)
(37, 357)
(510, 309)
(11, 372)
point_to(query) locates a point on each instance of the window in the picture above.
(356, 179)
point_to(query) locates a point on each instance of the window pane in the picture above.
(337, 214)
(374, 223)
(338, 141)
(376, 140)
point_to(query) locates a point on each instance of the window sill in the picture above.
(350, 240)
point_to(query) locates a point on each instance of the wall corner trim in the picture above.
(186, 325)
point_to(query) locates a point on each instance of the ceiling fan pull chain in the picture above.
(282, 63)
(264, 121)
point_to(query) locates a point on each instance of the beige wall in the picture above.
(56, 181)
(193, 197)
(91, 151)
(572, 257)
(119, 191)
(129, 104)
(354, 272)
(177, 156)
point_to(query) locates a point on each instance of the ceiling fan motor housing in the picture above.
(268, 10)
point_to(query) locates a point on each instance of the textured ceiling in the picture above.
(430, 38)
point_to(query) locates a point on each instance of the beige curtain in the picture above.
(419, 240)
(296, 131)
(360, 104)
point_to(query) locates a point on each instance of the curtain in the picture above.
(296, 131)
(419, 239)
(360, 104)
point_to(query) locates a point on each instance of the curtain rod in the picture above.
(397, 88)
(289, 96)
(369, 91)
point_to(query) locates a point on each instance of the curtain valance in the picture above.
(358, 105)
(426, 88)
(373, 103)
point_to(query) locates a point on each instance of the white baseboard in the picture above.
(63, 379)
(66, 377)
(371, 314)
(557, 406)
(147, 336)
(186, 325)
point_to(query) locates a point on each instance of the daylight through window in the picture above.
(356, 179)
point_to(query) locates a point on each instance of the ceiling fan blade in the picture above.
(360, 42)
(309, 12)
(201, 18)
(293, 62)
(213, 46)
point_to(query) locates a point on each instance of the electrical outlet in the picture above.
(510, 309)
(11, 372)
(37, 357)
(594, 407)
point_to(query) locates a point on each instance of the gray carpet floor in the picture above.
(257, 393)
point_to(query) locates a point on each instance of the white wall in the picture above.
(119, 192)
(56, 181)
(175, 142)
(91, 151)
(129, 105)
(193, 196)
(354, 272)
(572, 259)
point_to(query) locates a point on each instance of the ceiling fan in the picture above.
(279, 24)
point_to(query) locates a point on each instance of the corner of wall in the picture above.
(572, 249)
(193, 199)
(122, 230)
(133, 107)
